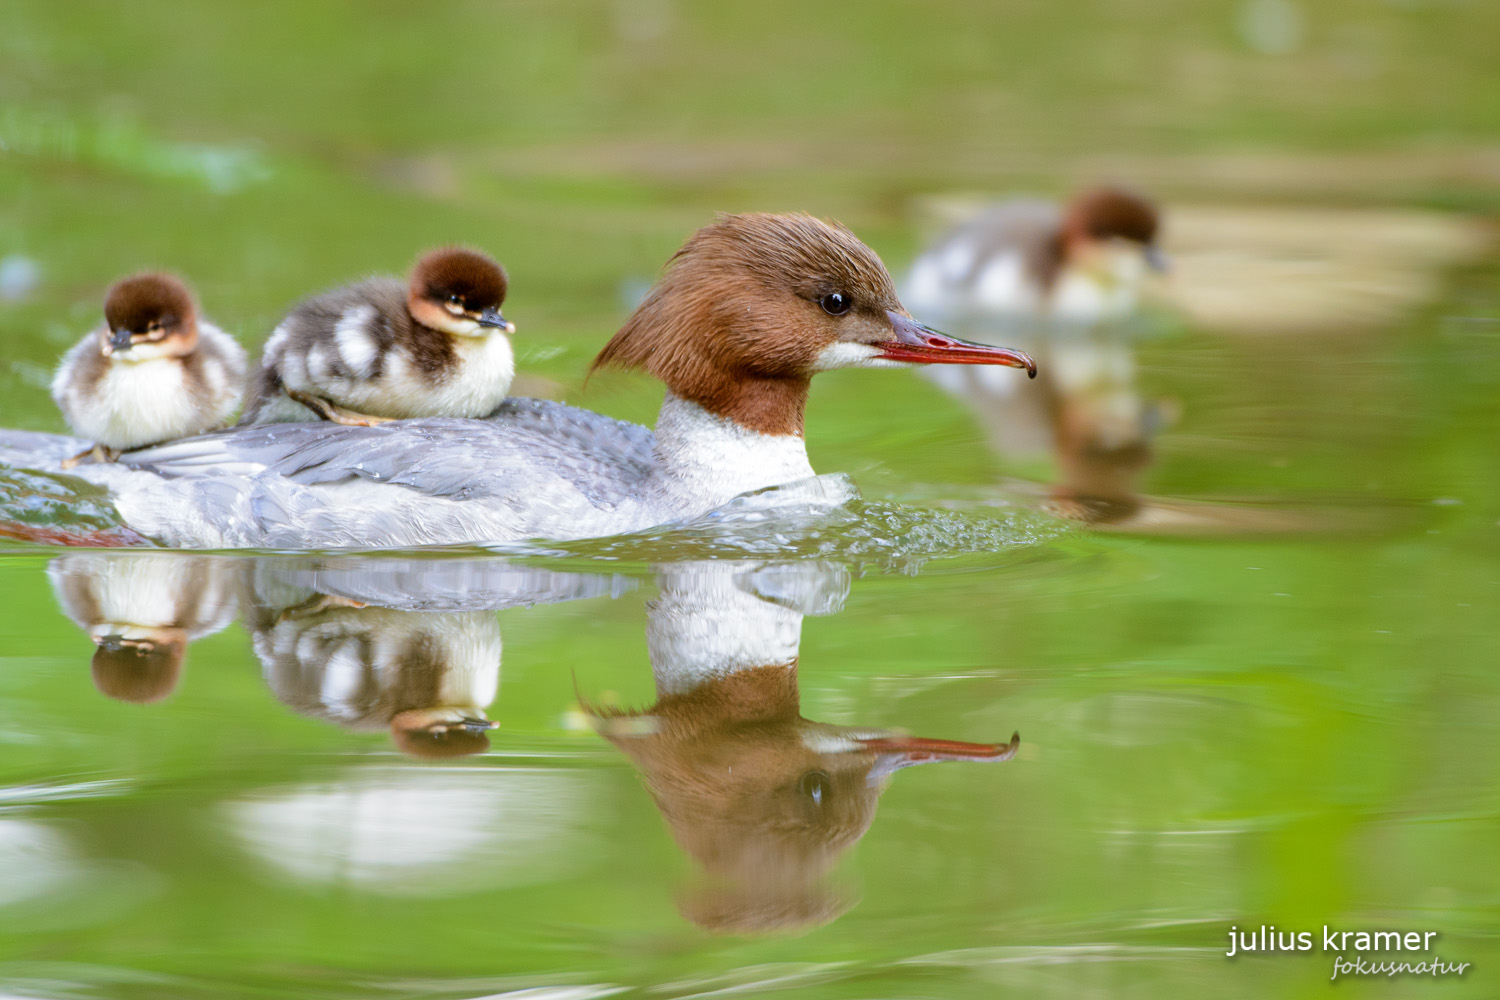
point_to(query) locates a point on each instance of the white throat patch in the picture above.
(847, 354)
(709, 460)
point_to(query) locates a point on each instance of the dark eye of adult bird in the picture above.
(835, 303)
(815, 785)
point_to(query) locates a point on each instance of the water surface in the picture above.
(1260, 692)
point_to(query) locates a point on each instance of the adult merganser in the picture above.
(763, 799)
(435, 346)
(152, 373)
(747, 312)
(142, 609)
(1026, 260)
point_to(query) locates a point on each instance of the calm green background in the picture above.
(1292, 728)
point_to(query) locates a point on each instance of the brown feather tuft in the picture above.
(472, 276)
(734, 325)
(140, 673)
(1106, 212)
(136, 302)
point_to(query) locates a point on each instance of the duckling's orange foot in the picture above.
(316, 604)
(333, 412)
(98, 453)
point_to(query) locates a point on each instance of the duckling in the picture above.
(378, 350)
(1024, 260)
(142, 610)
(426, 677)
(154, 372)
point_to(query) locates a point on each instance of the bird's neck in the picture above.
(710, 458)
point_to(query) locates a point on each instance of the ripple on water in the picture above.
(819, 518)
(38, 507)
(824, 518)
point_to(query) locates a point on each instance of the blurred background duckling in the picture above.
(154, 372)
(1062, 281)
(142, 609)
(1027, 259)
(436, 346)
(427, 677)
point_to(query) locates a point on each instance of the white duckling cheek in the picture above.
(150, 350)
(462, 326)
(847, 354)
(1128, 265)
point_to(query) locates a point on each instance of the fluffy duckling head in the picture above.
(149, 316)
(1112, 219)
(459, 292)
(140, 669)
(439, 732)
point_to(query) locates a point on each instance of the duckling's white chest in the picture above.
(138, 403)
(1105, 292)
(472, 385)
(480, 379)
(463, 648)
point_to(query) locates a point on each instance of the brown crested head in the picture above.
(138, 670)
(456, 285)
(1106, 213)
(149, 309)
(765, 801)
(754, 305)
(764, 814)
(745, 309)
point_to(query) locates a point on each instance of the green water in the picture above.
(1264, 694)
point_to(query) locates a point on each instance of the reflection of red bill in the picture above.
(903, 751)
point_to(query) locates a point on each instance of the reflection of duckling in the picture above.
(1026, 260)
(142, 609)
(152, 373)
(765, 800)
(381, 349)
(428, 677)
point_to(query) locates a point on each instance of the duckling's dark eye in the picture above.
(455, 300)
(835, 303)
(815, 785)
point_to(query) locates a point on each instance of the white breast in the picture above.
(141, 402)
(485, 370)
(1106, 292)
(341, 653)
(144, 589)
(473, 388)
(707, 460)
(133, 405)
(705, 626)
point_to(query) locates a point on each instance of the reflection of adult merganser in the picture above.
(747, 312)
(765, 800)
(426, 676)
(142, 609)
